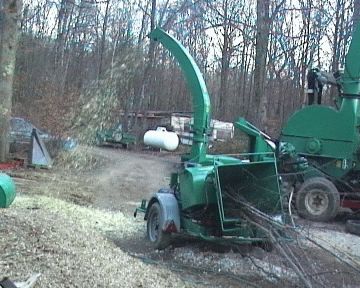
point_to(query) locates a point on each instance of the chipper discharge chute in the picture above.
(213, 197)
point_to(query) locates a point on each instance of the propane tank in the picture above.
(161, 138)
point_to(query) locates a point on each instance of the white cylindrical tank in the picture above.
(160, 138)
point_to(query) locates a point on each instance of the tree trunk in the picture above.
(225, 64)
(103, 39)
(148, 68)
(262, 39)
(151, 55)
(62, 23)
(9, 16)
(338, 35)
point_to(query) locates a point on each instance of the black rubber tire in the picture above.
(158, 238)
(326, 193)
(353, 227)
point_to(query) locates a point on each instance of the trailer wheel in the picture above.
(317, 199)
(158, 238)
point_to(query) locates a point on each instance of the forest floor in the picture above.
(74, 224)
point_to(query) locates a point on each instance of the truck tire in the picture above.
(125, 146)
(317, 199)
(158, 238)
(353, 227)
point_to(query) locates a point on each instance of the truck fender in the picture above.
(169, 209)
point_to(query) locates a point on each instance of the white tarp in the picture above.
(38, 152)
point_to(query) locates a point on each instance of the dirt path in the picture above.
(128, 178)
(118, 182)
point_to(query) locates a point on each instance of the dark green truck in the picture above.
(115, 136)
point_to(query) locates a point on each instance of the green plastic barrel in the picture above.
(7, 190)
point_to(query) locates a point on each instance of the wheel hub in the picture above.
(154, 227)
(316, 202)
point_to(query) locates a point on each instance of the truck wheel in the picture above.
(125, 146)
(158, 238)
(317, 199)
(353, 227)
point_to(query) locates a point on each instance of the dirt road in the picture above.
(128, 177)
(118, 181)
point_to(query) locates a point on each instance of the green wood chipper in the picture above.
(329, 139)
(207, 197)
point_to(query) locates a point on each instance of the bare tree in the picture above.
(262, 40)
(89, 38)
(9, 18)
(103, 38)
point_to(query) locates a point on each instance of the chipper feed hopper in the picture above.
(329, 139)
(208, 196)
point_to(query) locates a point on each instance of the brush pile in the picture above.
(313, 262)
